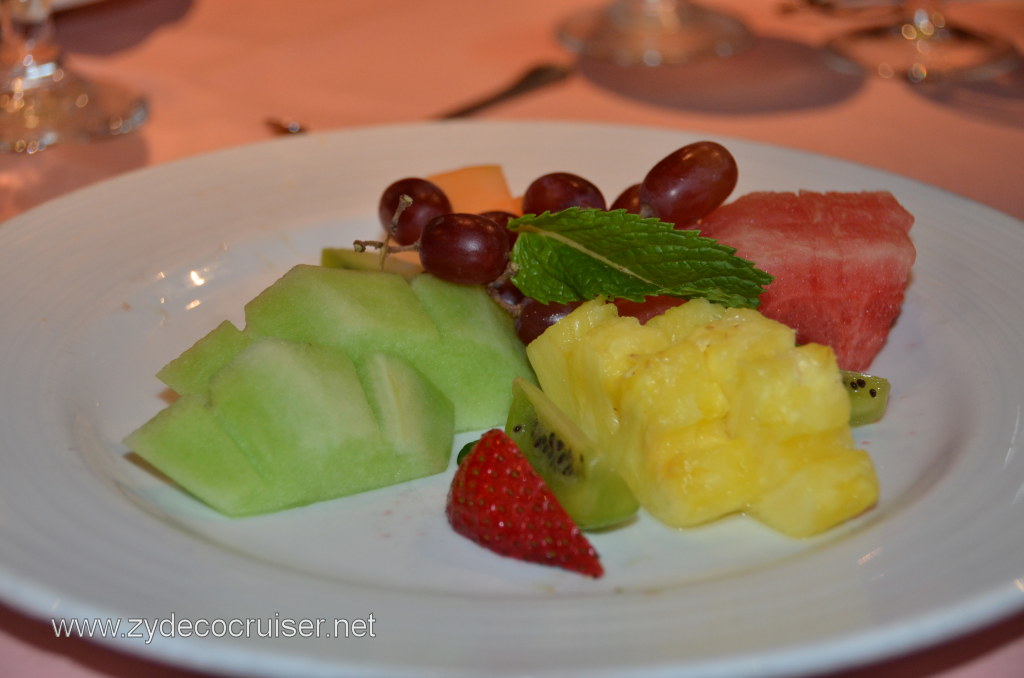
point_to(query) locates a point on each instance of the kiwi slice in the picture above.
(869, 396)
(594, 495)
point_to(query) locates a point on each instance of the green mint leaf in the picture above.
(580, 254)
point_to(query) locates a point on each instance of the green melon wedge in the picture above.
(288, 424)
(335, 257)
(342, 381)
(186, 442)
(190, 372)
(360, 312)
(478, 355)
(454, 334)
(416, 419)
(300, 415)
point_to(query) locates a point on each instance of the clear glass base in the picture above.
(948, 53)
(653, 33)
(63, 107)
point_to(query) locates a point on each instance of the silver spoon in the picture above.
(536, 77)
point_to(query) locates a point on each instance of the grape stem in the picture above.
(493, 289)
(512, 309)
(385, 245)
(404, 201)
(510, 271)
(363, 245)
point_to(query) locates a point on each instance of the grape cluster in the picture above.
(473, 249)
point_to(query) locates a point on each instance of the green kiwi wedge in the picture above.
(594, 495)
(869, 396)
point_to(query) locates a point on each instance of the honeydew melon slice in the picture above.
(342, 381)
(288, 424)
(300, 415)
(190, 372)
(335, 257)
(454, 334)
(479, 355)
(416, 419)
(186, 442)
(360, 312)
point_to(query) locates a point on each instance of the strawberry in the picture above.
(500, 502)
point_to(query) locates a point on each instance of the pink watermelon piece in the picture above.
(841, 263)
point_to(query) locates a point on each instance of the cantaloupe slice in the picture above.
(477, 188)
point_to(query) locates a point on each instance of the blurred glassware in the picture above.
(923, 45)
(653, 33)
(877, 11)
(41, 101)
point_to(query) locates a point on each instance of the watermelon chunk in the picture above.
(841, 263)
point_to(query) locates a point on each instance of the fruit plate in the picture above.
(103, 286)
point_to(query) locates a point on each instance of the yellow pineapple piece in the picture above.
(597, 364)
(786, 394)
(672, 388)
(678, 324)
(670, 403)
(712, 479)
(548, 353)
(707, 411)
(813, 482)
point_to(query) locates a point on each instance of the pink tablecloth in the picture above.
(214, 70)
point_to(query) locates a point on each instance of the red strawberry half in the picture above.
(500, 502)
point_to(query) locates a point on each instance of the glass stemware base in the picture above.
(63, 107)
(653, 33)
(901, 50)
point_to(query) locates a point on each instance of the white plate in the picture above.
(100, 288)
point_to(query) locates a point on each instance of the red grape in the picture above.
(535, 317)
(502, 218)
(647, 309)
(558, 191)
(508, 294)
(428, 201)
(628, 200)
(689, 182)
(468, 249)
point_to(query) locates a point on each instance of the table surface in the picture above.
(215, 70)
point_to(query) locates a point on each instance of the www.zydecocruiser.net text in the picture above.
(275, 626)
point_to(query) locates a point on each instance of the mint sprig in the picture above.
(581, 254)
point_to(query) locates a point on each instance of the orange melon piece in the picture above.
(477, 188)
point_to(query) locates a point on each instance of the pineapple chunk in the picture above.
(707, 411)
(550, 352)
(815, 482)
(610, 350)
